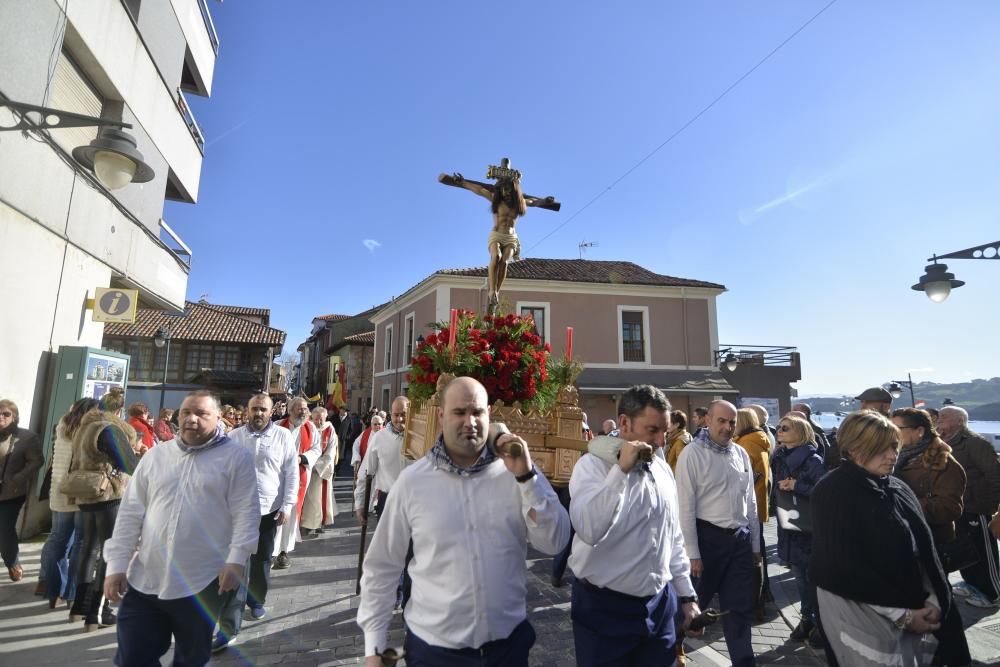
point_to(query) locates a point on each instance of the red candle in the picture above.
(451, 331)
(569, 342)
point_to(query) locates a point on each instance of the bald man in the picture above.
(469, 509)
(719, 520)
(383, 460)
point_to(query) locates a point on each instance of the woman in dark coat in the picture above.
(879, 583)
(797, 466)
(926, 465)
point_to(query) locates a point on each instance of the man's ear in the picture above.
(624, 423)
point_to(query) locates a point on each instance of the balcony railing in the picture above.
(206, 15)
(758, 355)
(192, 124)
(180, 249)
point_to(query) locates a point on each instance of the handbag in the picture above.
(957, 554)
(87, 486)
(794, 511)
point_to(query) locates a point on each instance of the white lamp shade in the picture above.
(938, 290)
(114, 171)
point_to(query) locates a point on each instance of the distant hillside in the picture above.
(980, 397)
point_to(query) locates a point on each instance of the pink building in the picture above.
(631, 326)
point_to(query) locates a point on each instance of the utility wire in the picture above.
(685, 126)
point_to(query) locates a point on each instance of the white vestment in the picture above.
(312, 505)
(288, 532)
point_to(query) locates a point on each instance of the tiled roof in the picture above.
(585, 271)
(333, 318)
(366, 338)
(200, 322)
(241, 310)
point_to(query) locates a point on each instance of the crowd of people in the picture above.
(662, 515)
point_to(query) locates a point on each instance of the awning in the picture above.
(608, 380)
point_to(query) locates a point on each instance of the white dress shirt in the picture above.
(384, 459)
(628, 533)
(189, 512)
(277, 465)
(716, 487)
(470, 535)
(356, 449)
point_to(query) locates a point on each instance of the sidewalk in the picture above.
(312, 608)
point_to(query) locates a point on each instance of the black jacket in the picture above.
(864, 528)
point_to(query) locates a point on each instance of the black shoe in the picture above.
(282, 561)
(557, 581)
(801, 631)
(108, 617)
(816, 639)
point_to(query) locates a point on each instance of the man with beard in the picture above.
(277, 465)
(715, 487)
(308, 447)
(319, 507)
(191, 510)
(384, 460)
(470, 508)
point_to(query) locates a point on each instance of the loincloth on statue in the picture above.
(506, 241)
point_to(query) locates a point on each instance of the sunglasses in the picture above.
(784, 428)
(6, 414)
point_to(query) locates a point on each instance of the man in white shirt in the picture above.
(308, 447)
(360, 446)
(719, 519)
(277, 467)
(191, 510)
(470, 509)
(384, 460)
(628, 555)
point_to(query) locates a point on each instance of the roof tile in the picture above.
(200, 322)
(585, 271)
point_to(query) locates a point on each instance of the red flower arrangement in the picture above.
(503, 352)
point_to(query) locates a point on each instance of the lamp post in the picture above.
(938, 283)
(112, 156)
(161, 339)
(725, 358)
(895, 389)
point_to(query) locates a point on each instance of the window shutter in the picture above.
(71, 92)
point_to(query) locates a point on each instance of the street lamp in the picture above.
(112, 156)
(726, 359)
(938, 283)
(160, 339)
(895, 389)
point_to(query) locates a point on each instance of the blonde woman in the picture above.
(677, 437)
(880, 587)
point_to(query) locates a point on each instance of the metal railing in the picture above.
(206, 16)
(758, 355)
(192, 124)
(179, 249)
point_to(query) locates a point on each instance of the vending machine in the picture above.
(80, 372)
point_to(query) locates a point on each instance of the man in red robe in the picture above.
(309, 446)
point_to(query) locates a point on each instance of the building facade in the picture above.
(228, 349)
(631, 326)
(64, 233)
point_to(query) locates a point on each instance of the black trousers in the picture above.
(98, 526)
(984, 575)
(727, 559)
(253, 592)
(9, 547)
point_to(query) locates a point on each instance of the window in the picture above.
(540, 312)
(538, 315)
(388, 348)
(71, 91)
(385, 398)
(409, 329)
(633, 342)
(226, 358)
(198, 357)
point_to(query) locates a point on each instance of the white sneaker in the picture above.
(981, 601)
(962, 590)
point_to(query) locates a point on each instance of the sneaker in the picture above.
(977, 599)
(816, 639)
(220, 643)
(282, 561)
(801, 631)
(258, 613)
(963, 590)
(108, 617)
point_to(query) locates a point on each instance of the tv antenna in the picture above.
(583, 245)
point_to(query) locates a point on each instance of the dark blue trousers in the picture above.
(560, 559)
(612, 629)
(145, 624)
(509, 652)
(727, 557)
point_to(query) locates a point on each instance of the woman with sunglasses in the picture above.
(926, 465)
(797, 467)
(880, 587)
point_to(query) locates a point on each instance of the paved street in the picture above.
(312, 609)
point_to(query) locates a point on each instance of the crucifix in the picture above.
(508, 203)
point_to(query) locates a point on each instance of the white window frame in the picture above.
(387, 343)
(410, 344)
(647, 355)
(547, 320)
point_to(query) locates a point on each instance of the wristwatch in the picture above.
(526, 476)
(685, 599)
(904, 621)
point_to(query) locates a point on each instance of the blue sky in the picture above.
(814, 190)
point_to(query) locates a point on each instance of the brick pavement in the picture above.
(312, 607)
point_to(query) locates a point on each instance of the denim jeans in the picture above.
(61, 555)
(807, 593)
